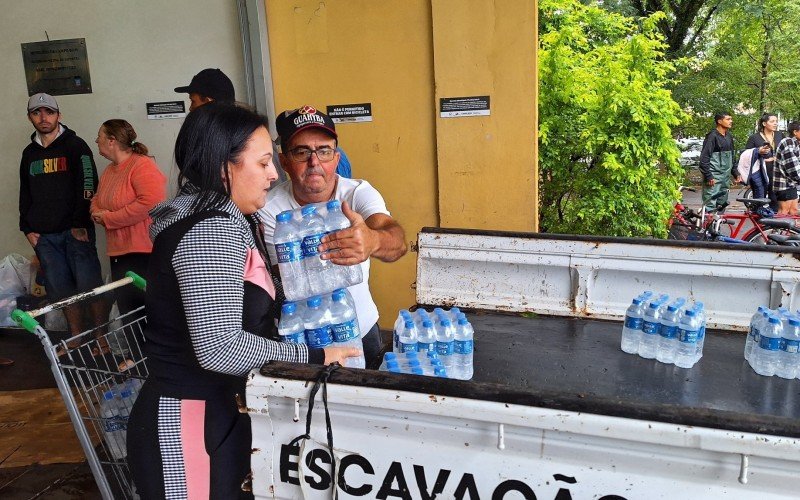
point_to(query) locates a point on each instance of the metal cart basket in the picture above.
(99, 373)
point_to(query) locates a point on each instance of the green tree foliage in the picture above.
(608, 163)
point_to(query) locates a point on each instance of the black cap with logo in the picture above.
(293, 121)
(211, 82)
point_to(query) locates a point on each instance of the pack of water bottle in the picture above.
(669, 331)
(772, 343)
(441, 338)
(115, 408)
(321, 321)
(298, 234)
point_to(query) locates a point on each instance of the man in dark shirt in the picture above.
(57, 181)
(209, 85)
(716, 163)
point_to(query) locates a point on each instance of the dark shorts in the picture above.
(787, 194)
(70, 266)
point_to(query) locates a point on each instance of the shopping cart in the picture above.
(98, 373)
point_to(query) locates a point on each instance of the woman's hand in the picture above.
(334, 354)
(97, 217)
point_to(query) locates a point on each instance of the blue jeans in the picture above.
(758, 184)
(70, 266)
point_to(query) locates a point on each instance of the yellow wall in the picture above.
(358, 51)
(487, 165)
(401, 56)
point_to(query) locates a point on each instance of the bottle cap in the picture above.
(445, 322)
(455, 311)
(314, 301)
(288, 307)
(794, 321)
(409, 323)
(308, 209)
(390, 356)
(284, 216)
(440, 372)
(426, 323)
(413, 362)
(338, 295)
(417, 370)
(333, 205)
(637, 301)
(108, 395)
(691, 313)
(462, 319)
(774, 320)
(126, 393)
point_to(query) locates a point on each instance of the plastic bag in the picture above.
(15, 278)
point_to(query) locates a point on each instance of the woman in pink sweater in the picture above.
(130, 186)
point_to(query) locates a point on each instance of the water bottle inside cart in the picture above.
(788, 358)
(317, 270)
(289, 249)
(445, 340)
(114, 426)
(688, 332)
(118, 343)
(291, 328)
(463, 347)
(317, 324)
(344, 326)
(632, 327)
(335, 220)
(765, 356)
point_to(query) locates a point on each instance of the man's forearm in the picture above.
(391, 243)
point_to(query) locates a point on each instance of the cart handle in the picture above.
(26, 319)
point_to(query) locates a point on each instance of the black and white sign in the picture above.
(165, 110)
(453, 107)
(349, 113)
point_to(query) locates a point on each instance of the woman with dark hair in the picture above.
(766, 140)
(209, 296)
(130, 186)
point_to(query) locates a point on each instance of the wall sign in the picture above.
(349, 113)
(453, 107)
(165, 110)
(57, 67)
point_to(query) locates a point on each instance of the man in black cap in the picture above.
(309, 156)
(211, 84)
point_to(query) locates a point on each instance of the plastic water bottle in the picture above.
(399, 323)
(651, 325)
(426, 339)
(113, 426)
(317, 324)
(289, 249)
(668, 333)
(688, 332)
(335, 220)
(445, 343)
(290, 327)
(312, 230)
(632, 327)
(454, 313)
(463, 347)
(769, 347)
(755, 324)
(408, 337)
(700, 312)
(344, 325)
(788, 358)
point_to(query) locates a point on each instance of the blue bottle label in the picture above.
(345, 331)
(650, 328)
(426, 347)
(790, 346)
(319, 337)
(688, 336)
(633, 323)
(444, 348)
(669, 332)
(408, 347)
(295, 338)
(770, 343)
(290, 251)
(310, 244)
(463, 347)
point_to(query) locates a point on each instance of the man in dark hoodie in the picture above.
(717, 163)
(58, 178)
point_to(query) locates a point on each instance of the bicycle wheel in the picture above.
(762, 237)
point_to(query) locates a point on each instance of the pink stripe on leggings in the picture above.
(195, 458)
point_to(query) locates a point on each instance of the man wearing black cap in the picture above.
(308, 144)
(57, 181)
(211, 84)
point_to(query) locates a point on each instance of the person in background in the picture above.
(57, 182)
(130, 186)
(766, 140)
(786, 176)
(716, 163)
(209, 85)
(308, 154)
(208, 305)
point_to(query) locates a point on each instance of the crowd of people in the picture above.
(769, 163)
(213, 296)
